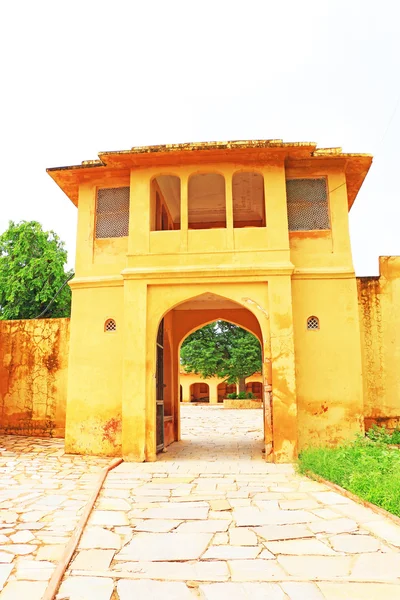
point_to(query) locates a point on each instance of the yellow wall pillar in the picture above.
(185, 391)
(134, 372)
(212, 386)
(284, 402)
(275, 206)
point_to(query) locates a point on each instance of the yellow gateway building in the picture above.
(256, 233)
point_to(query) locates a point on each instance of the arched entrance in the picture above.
(181, 320)
(224, 389)
(255, 387)
(199, 392)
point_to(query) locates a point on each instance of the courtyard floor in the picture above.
(209, 520)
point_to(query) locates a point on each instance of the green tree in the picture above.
(31, 271)
(222, 349)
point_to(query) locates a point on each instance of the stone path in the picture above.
(209, 520)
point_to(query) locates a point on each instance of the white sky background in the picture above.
(84, 76)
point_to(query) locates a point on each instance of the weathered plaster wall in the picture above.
(328, 361)
(94, 414)
(33, 376)
(379, 305)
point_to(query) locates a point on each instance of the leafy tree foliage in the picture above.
(31, 271)
(222, 349)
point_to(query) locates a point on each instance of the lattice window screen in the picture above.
(112, 212)
(312, 323)
(307, 203)
(110, 325)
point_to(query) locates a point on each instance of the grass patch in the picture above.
(369, 469)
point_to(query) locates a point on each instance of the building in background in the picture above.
(214, 389)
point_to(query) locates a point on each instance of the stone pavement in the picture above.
(209, 520)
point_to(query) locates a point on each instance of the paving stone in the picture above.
(211, 526)
(305, 591)
(165, 546)
(376, 567)
(22, 537)
(231, 552)
(242, 591)
(93, 560)
(330, 498)
(145, 589)
(220, 505)
(19, 548)
(86, 588)
(33, 515)
(31, 526)
(113, 504)
(34, 570)
(359, 513)
(256, 570)
(175, 571)
(220, 538)
(50, 500)
(3, 539)
(354, 544)
(6, 557)
(98, 537)
(23, 590)
(300, 547)
(253, 517)
(386, 530)
(283, 532)
(156, 525)
(108, 517)
(326, 513)
(333, 526)
(308, 503)
(177, 511)
(241, 536)
(5, 570)
(52, 552)
(316, 567)
(111, 493)
(358, 591)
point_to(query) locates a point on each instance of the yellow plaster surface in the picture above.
(33, 376)
(262, 278)
(379, 305)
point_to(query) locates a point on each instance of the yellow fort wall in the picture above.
(379, 305)
(33, 376)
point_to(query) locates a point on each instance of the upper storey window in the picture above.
(206, 201)
(166, 203)
(112, 212)
(248, 200)
(307, 203)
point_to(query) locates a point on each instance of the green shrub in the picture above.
(232, 396)
(241, 396)
(369, 470)
(396, 436)
(381, 434)
(250, 396)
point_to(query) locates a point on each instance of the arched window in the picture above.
(199, 392)
(206, 201)
(166, 203)
(248, 199)
(110, 325)
(313, 323)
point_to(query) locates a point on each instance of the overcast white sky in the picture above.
(83, 76)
